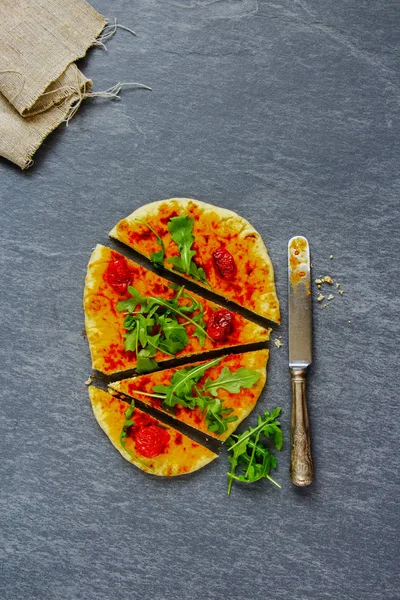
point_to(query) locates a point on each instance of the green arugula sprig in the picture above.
(184, 391)
(250, 455)
(157, 258)
(152, 324)
(181, 229)
(123, 436)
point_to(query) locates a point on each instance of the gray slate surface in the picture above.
(288, 113)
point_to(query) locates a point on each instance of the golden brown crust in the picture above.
(253, 287)
(241, 403)
(104, 325)
(180, 456)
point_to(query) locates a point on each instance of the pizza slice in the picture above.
(145, 441)
(135, 318)
(213, 396)
(212, 246)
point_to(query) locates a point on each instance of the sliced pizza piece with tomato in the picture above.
(213, 396)
(135, 318)
(212, 246)
(144, 441)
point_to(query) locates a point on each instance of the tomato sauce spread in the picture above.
(150, 439)
(118, 274)
(220, 325)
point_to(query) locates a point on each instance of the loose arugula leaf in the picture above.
(252, 457)
(232, 381)
(181, 229)
(157, 258)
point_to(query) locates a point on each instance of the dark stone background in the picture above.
(286, 112)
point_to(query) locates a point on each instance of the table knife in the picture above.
(300, 357)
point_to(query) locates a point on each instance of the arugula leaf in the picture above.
(181, 229)
(145, 364)
(232, 381)
(131, 304)
(182, 380)
(156, 327)
(250, 455)
(184, 391)
(157, 258)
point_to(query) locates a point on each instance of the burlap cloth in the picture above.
(39, 83)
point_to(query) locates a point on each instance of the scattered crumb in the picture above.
(331, 256)
(338, 285)
(319, 281)
(83, 334)
(319, 287)
(324, 305)
(341, 292)
(278, 343)
(320, 297)
(328, 279)
(310, 265)
(349, 321)
(89, 380)
(330, 297)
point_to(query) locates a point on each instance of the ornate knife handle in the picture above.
(301, 464)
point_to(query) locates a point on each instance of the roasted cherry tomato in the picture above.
(220, 325)
(150, 441)
(118, 274)
(224, 263)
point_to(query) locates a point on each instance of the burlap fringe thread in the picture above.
(73, 95)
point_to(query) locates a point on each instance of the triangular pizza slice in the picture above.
(145, 441)
(213, 396)
(135, 318)
(212, 246)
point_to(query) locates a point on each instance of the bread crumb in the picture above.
(89, 380)
(328, 279)
(331, 256)
(324, 305)
(320, 297)
(278, 343)
(319, 281)
(330, 297)
(319, 287)
(341, 292)
(338, 285)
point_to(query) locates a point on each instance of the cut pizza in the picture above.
(135, 318)
(212, 396)
(212, 246)
(144, 440)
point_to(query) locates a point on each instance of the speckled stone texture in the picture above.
(288, 113)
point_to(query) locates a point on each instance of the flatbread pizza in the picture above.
(212, 396)
(144, 441)
(135, 318)
(214, 247)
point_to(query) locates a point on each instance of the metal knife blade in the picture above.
(300, 357)
(300, 327)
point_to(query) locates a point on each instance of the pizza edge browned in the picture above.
(160, 466)
(263, 302)
(242, 414)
